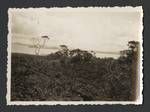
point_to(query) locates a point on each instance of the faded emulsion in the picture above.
(65, 54)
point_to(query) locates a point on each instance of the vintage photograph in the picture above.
(75, 55)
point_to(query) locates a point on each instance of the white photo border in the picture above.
(139, 99)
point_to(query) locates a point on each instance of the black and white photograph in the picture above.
(67, 55)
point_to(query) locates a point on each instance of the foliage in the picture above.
(76, 76)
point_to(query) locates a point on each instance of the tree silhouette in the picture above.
(37, 43)
(132, 53)
(64, 50)
(78, 55)
(133, 58)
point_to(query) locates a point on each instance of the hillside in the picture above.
(58, 77)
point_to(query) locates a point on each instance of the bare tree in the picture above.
(37, 43)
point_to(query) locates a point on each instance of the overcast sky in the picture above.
(85, 28)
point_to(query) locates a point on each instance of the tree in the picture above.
(133, 58)
(131, 53)
(37, 43)
(64, 50)
(133, 50)
(133, 45)
(78, 55)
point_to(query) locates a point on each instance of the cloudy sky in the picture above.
(97, 29)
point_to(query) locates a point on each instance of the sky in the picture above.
(97, 29)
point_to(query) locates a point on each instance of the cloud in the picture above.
(104, 31)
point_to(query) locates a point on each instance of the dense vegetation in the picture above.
(74, 75)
